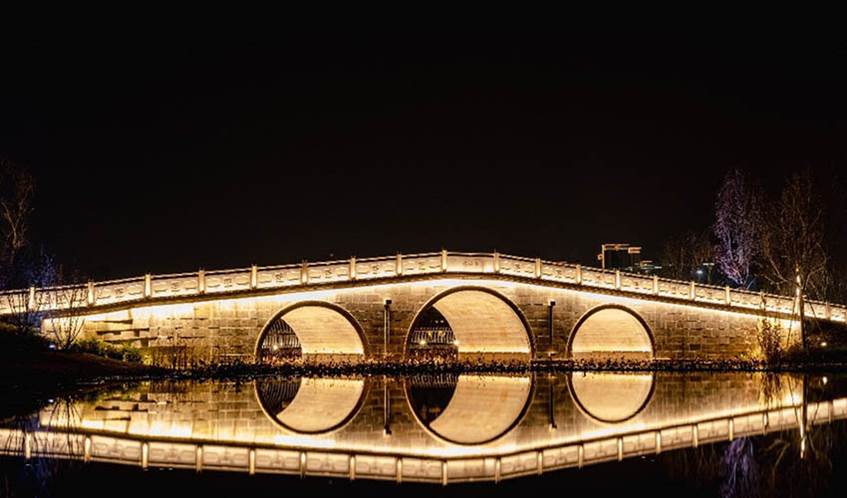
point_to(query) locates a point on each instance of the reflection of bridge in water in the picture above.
(461, 428)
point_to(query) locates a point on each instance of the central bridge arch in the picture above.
(480, 322)
(312, 329)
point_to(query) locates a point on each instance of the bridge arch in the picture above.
(611, 330)
(310, 405)
(321, 329)
(447, 406)
(611, 397)
(482, 321)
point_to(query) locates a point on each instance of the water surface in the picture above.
(708, 433)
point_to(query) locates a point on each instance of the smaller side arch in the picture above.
(611, 397)
(611, 330)
(323, 328)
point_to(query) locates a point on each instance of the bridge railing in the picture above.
(184, 285)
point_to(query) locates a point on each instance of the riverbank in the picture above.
(66, 368)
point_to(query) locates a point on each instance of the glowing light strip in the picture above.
(483, 263)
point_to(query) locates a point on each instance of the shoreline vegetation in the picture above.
(70, 367)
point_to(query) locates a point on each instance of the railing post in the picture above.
(496, 262)
(198, 459)
(30, 300)
(578, 274)
(655, 285)
(148, 285)
(398, 270)
(827, 311)
(537, 267)
(90, 297)
(618, 279)
(728, 296)
(27, 445)
(304, 272)
(353, 268)
(692, 293)
(444, 260)
(201, 281)
(254, 276)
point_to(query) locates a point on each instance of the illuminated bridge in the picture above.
(419, 429)
(466, 305)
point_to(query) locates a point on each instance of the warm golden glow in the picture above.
(323, 330)
(483, 323)
(321, 404)
(464, 420)
(611, 397)
(610, 331)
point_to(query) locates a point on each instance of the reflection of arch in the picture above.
(482, 320)
(479, 410)
(611, 397)
(322, 329)
(611, 330)
(311, 405)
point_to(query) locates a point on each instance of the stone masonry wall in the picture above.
(229, 328)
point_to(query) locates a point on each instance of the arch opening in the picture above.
(311, 331)
(448, 405)
(310, 405)
(470, 323)
(611, 331)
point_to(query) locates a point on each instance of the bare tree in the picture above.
(16, 191)
(793, 243)
(67, 323)
(737, 228)
(26, 306)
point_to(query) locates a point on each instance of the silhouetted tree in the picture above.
(737, 228)
(16, 191)
(793, 245)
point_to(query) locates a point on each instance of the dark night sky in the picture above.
(173, 155)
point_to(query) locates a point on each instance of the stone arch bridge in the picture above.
(472, 305)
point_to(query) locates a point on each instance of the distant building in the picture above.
(619, 256)
(626, 258)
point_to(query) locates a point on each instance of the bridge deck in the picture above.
(205, 285)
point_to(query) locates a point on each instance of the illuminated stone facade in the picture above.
(497, 306)
(492, 317)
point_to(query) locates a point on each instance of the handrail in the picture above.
(187, 284)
